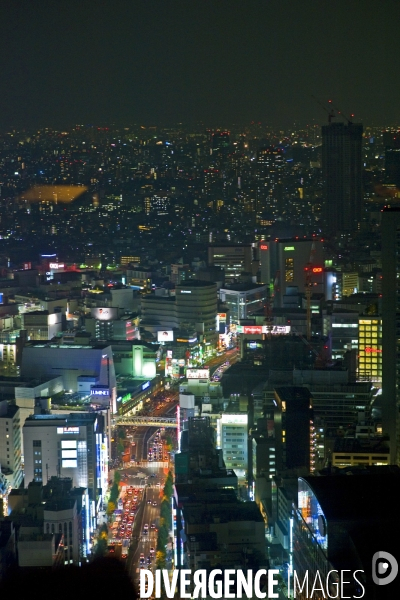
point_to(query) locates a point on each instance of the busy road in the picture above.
(230, 356)
(142, 479)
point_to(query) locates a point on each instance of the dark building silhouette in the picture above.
(392, 166)
(294, 429)
(98, 579)
(391, 139)
(220, 142)
(390, 329)
(340, 523)
(342, 174)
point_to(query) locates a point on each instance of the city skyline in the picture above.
(199, 299)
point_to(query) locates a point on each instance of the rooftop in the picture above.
(376, 445)
(9, 411)
(69, 346)
(192, 494)
(158, 298)
(75, 418)
(293, 393)
(243, 287)
(194, 283)
(59, 504)
(242, 511)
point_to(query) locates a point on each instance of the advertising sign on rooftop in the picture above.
(198, 373)
(259, 329)
(105, 314)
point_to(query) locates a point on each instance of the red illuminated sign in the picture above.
(369, 350)
(252, 329)
(317, 270)
(263, 247)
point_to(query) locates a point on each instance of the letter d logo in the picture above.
(384, 568)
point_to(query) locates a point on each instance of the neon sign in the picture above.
(63, 430)
(258, 329)
(99, 392)
(126, 398)
(374, 350)
(317, 270)
(264, 247)
(145, 385)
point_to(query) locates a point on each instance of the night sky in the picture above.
(222, 62)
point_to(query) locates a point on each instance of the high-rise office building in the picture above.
(235, 259)
(270, 170)
(342, 174)
(196, 303)
(233, 434)
(74, 446)
(295, 436)
(243, 300)
(370, 348)
(391, 329)
(288, 261)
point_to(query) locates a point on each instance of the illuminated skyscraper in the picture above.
(270, 169)
(342, 174)
(370, 348)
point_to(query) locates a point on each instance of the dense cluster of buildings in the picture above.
(151, 254)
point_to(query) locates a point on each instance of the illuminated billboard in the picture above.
(259, 329)
(165, 336)
(62, 430)
(198, 373)
(251, 329)
(237, 419)
(104, 314)
(100, 392)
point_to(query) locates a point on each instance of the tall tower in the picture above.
(391, 329)
(392, 166)
(270, 171)
(342, 174)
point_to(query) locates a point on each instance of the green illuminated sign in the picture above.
(286, 248)
(126, 398)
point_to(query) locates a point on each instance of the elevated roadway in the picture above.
(146, 421)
